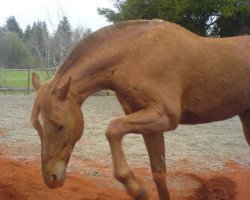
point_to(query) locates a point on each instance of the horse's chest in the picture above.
(134, 98)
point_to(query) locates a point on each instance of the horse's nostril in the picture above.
(53, 177)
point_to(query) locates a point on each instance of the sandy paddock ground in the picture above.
(204, 162)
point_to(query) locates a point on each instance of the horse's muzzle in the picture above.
(54, 181)
(54, 177)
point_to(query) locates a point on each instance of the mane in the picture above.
(96, 38)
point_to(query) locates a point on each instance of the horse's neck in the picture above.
(90, 78)
(91, 63)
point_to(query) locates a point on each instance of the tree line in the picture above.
(36, 47)
(217, 18)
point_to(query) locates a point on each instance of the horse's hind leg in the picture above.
(156, 150)
(245, 120)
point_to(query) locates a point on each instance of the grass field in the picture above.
(13, 79)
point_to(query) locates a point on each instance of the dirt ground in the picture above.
(204, 162)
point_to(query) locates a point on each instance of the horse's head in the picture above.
(57, 117)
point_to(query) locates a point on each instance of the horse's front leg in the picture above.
(152, 119)
(156, 151)
(122, 171)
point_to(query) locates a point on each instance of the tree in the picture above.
(207, 17)
(1, 32)
(234, 19)
(39, 42)
(27, 33)
(62, 41)
(13, 52)
(79, 33)
(13, 26)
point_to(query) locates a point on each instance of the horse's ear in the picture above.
(62, 92)
(36, 81)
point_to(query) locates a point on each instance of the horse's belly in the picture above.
(189, 117)
(205, 114)
(214, 106)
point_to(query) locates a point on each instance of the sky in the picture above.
(79, 12)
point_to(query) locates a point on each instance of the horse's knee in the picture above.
(114, 130)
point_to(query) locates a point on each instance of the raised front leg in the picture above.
(151, 119)
(122, 171)
(156, 151)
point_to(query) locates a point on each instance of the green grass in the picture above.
(19, 78)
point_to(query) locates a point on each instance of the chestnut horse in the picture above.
(162, 74)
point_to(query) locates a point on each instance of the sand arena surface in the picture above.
(209, 161)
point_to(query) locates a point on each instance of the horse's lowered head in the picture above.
(58, 118)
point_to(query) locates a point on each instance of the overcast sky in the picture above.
(79, 12)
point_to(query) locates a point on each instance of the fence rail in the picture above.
(19, 80)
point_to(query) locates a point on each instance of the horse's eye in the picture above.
(60, 128)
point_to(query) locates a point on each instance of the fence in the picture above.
(19, 80)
